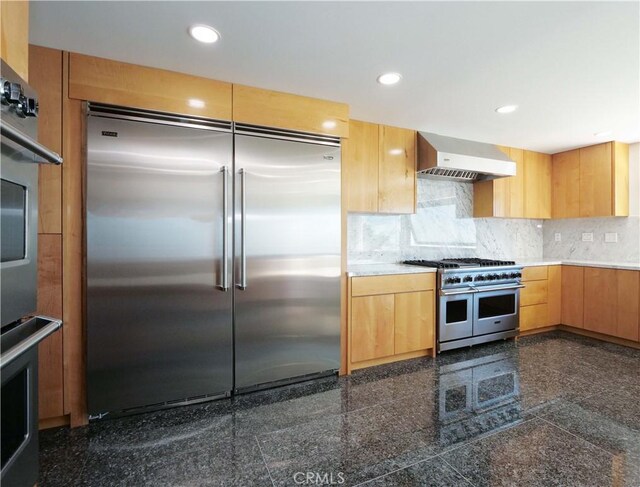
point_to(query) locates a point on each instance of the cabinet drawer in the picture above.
(532, 317)
(537, 273)
(534, 292)
(396, 283)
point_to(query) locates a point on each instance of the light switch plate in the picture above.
(558, 237)
(611, 237)
(587, 237)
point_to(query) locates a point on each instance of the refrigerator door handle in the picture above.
(243, 230)
(224, 286)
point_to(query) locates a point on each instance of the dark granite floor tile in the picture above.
(233, 462)
(536, 453)
(610, 421)
(429, 473)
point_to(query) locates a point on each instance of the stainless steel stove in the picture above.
(479, 300)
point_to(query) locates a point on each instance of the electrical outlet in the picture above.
(587, 237)
(558, 237)
(611, 237)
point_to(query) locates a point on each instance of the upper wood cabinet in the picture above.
(256, 106)
(592, 181)
(106, 81)
(537, 189)
(14, 33)
(525, 195)
(360, 166)
(379, 164)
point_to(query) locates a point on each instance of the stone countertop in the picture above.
(357, 270)
(582, 263)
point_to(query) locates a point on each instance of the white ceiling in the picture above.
(573, 68)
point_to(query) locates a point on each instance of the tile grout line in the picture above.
(576, 436)
(264, 460)
(396, 470)
(457, 471)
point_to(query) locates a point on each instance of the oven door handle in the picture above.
(502, 288)
(30, 341)
(28, 143)
(454, 292)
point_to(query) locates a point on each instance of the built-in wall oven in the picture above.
(21, 329)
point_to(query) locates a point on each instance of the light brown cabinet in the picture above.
(14, 30)
(379, 164)
(540, 298)
(390, 318)
(573, 296)
(600, 300)
(525, 195)
(591, 181)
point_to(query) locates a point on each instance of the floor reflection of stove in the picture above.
(478, 396)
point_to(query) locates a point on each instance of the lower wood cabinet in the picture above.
(573, 296)
(391, 318)
(540, 299)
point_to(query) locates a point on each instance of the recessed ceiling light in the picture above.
(204, 33)
(389, 78)
(507, 109)
(603, 134)
(195, 103)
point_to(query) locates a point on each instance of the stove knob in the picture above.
(518, 274)
(11, 93)
(480, 278)
(513, 275)
(457, 280)
(468, 279)
(504, 276)
(448, 280)
(28, 107)
(491, 277)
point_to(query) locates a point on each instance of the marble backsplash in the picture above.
(442, 227)
(571, 246)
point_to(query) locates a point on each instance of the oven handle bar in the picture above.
(31, 341)
(454, 292)
(28, 143)
(502, 288)
(473, 290)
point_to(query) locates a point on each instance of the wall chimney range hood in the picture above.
(461, 160)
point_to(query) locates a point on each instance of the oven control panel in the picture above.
(452, 278)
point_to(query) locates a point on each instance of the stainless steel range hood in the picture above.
(461, 160)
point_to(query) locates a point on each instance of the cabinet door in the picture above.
(537, 180)
(573, 296)
(628, 305)
(565, 176)
(554, 295)
(532, 317)
(14, 29)
(360, 166)
(595, 180)
(372, 327)
(397, 170)
(516, 185)
(600, 300)
(414, 321)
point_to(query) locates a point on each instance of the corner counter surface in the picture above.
(358, 270)
(632, 266)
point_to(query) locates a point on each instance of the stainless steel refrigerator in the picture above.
(213, 258)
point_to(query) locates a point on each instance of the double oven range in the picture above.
(478, 300)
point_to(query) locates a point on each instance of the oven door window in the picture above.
(13, 221)
(457, 311)
(15, 414)
(494, 306)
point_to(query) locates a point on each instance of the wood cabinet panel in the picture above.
(628, 305)
(394, 283)
(565, 175)
(45, 66)
(554, 295)
(596, 181)
(414, 321)
(106, 81)
(372, 327)
(600, 300)
(573, 296)
(517, 184)
(360, 166)
(397, 170)
(537, 191)
(620, 179)
(532, 317)
(535, 273)
(283, 110)
(534, 292)
(14, 36)
(50, 351)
